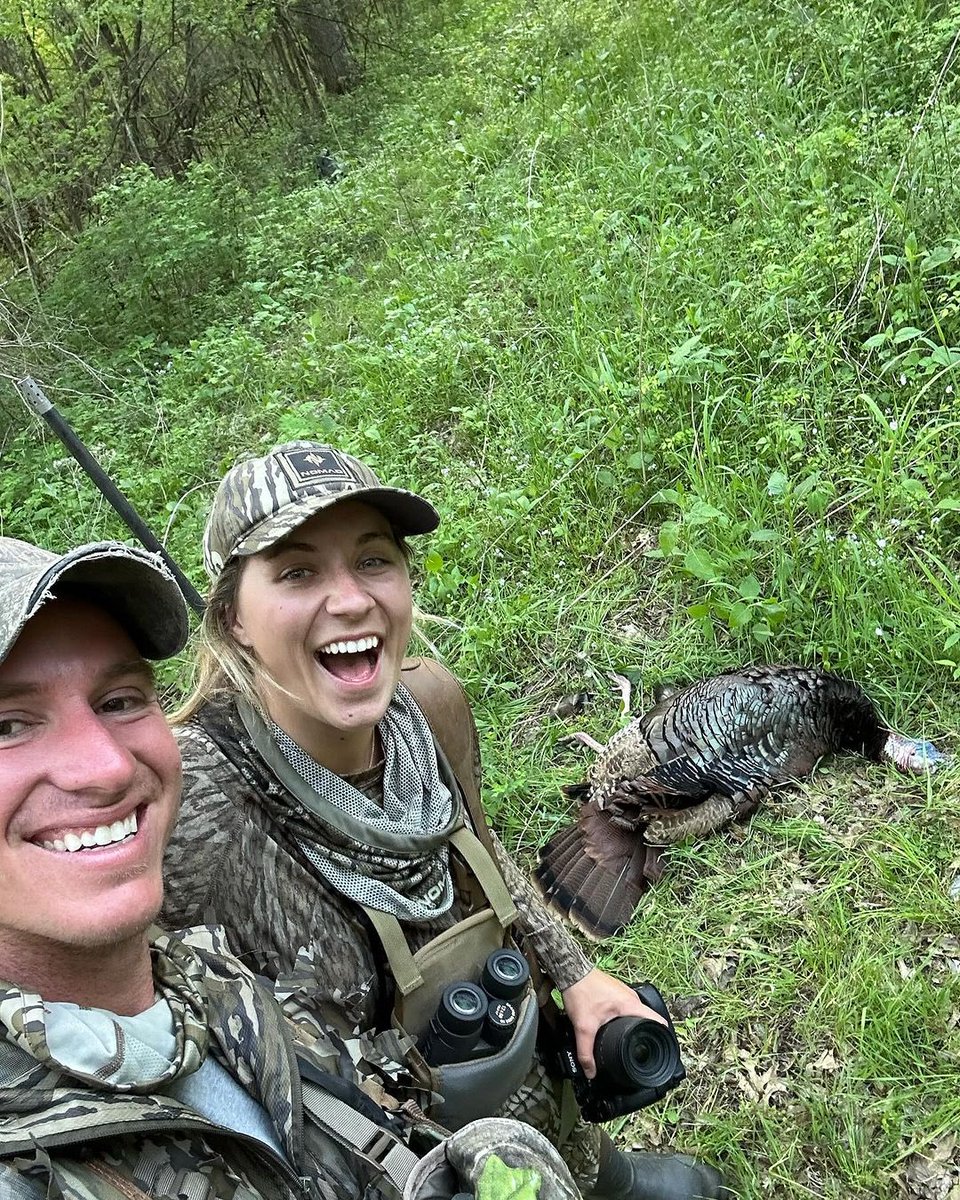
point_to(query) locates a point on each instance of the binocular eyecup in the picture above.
(473, 1020)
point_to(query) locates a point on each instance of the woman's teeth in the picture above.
(357, 647)
(102, 835)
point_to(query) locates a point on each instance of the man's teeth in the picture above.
(361, 644)
(102, 835)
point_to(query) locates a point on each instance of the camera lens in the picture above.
(504, 974)
(633, 1053)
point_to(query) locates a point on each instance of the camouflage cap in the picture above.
(133, 586)
(261, 500)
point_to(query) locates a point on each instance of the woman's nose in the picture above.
(347, 595)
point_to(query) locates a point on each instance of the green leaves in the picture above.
(701, 564)
(497, 1181)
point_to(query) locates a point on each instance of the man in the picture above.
(132, 1062)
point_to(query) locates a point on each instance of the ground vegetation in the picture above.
(659, 304)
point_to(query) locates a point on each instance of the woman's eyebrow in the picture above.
(279, 548)
(274, 551)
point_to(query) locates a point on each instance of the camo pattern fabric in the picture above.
(261, 500)
(49, 1117)
(230, 862)
(131, 583)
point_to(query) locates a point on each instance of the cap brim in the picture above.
(407, 512)
(132, 585)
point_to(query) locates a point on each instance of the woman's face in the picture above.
(327, 611)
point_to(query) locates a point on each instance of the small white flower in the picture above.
(949, 389)
(878, 632)
(895, 425)
(881, 543)
(903, 381)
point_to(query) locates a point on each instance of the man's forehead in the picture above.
(24, 683)
(67, 634)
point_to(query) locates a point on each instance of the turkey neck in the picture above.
(856, 723)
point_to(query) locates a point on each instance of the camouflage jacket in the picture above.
(230, 862)
(75, 1137)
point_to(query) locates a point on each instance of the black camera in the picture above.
(474, 1020)
(638, 1061)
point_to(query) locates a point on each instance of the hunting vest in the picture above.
(476, 1088)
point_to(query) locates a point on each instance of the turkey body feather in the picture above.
(700, 758)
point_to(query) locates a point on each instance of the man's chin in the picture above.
(117, 925)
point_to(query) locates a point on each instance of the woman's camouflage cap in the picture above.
(261, 500)
(133, 586)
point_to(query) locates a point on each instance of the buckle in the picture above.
(379, 1146)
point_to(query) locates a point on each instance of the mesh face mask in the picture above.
(413, 883)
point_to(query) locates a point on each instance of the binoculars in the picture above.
(476, 1019)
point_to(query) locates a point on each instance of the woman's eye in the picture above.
(292, 574)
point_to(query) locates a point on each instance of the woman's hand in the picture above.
(594, 1000)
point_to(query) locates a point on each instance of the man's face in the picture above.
(89, 787)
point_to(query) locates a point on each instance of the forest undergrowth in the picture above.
(659, 304)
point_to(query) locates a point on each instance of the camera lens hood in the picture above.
(633, 1053)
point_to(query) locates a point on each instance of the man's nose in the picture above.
(89, 757)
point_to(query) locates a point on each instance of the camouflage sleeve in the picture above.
(17, 1185)
(204, 826)
(559, 954)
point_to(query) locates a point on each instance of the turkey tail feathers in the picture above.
(594, 874)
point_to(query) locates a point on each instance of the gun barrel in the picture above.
(34, 396)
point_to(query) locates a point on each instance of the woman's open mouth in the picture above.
(352, 661)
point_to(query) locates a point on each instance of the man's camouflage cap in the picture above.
(134, 587)
(261, 500)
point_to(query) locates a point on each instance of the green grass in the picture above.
(660, 305)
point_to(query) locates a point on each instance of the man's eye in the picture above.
(128, 702)
(11, 727)
(374, 561)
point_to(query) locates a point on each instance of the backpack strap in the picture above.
(447, 709)
(448, 713)
(342, 1109)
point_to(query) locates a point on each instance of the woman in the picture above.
(327, 822)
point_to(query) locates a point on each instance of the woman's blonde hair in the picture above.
(223, 668)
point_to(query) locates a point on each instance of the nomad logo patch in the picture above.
(303, 467)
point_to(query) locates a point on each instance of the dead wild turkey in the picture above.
(700, 758)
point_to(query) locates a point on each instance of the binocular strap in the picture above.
(404, 965)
